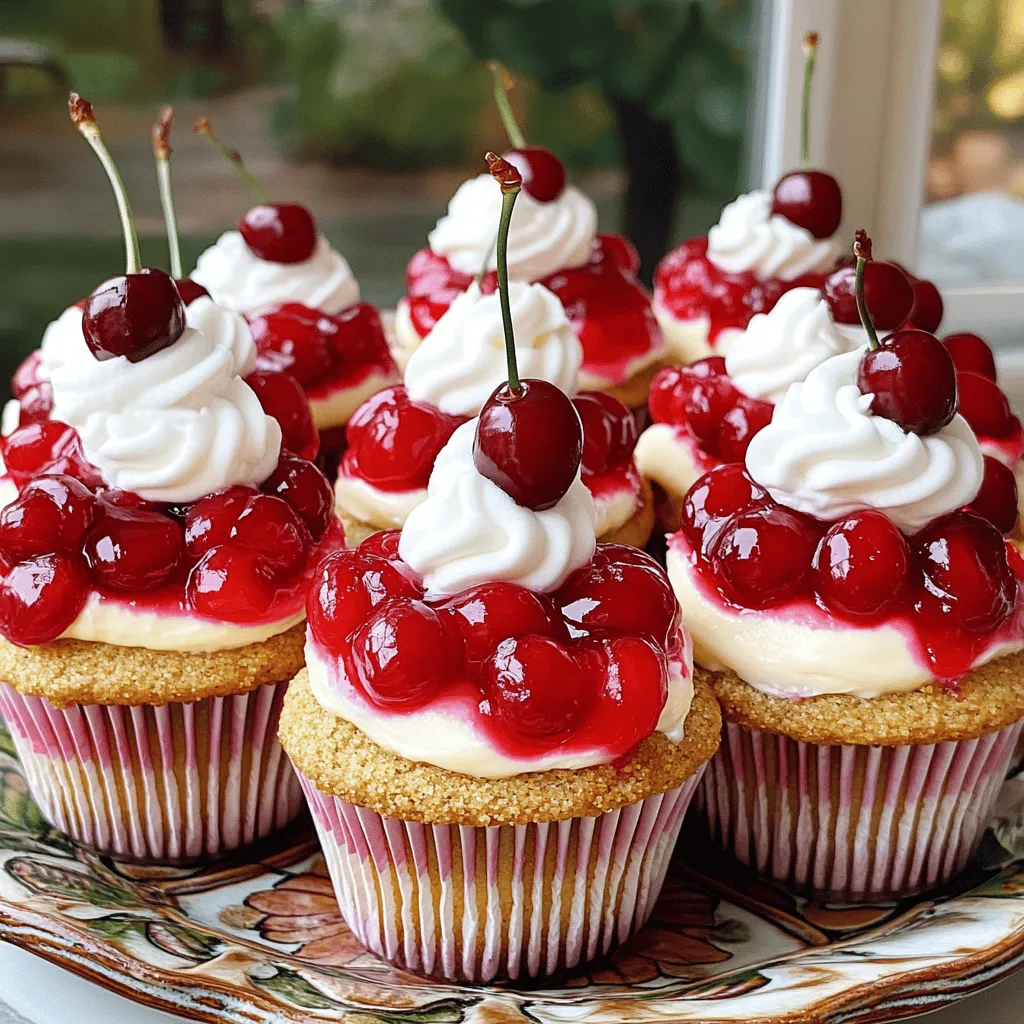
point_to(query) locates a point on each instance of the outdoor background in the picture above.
(372, 111)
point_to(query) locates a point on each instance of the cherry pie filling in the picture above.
(609, 310)
(585, 668)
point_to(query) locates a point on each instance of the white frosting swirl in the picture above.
(470, 531)
(543, 237)
(462, 360)
(175, 425)
(782, 346)
(825, 454)
(239, 279)
(748, 236)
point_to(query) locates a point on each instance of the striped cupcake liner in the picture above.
(168, 784)
(476, 904)
(854, 823)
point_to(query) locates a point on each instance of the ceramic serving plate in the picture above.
(259, 939)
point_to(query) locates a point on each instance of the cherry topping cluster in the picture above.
(981, 401)
(588, 659)
(229, 554)
(862, 568)
(702, 398)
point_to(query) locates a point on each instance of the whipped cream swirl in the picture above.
(543, 237)
(748, 236)
(462, 360)
(239, 279)
(469, 531)
(782, 346)
(175, 425)
(825, 454)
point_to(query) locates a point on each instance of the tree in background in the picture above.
(672, 72)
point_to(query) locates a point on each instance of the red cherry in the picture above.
(41, 597)
(621, 591)
(534, 687)
(283, 398)
(971, 353)
(399, 654)
(209, 521)
(133, 549)
(714, 498)
(273, 529)
(42, 448)
(763, 555)
(487, 614)
(609, 432)
(542, 172)
(966, 570)
(529, 442)
(26, 376)
(190, 290)
(740, 424)
(230, 584)
(811, 199)
(294, 339)
(861, 565)
(133, 315)
(928, 306)
(984, 405)
(51, 513)
(280, 232)
(707, 395)
(913, 380)
(36, 404)
(617, 250)
(888, 293)
(996, 501)
(305, 488)
(384, 543)
(665, 398)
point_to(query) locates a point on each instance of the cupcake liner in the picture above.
(854, 823)
(170, 783)
(476, 904)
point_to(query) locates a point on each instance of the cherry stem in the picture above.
(84, 120)
(162, 155)
(810, 45)
(503, 81)
(862, 250)
(205, 129)
(511, 181)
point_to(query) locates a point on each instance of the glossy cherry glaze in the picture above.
(237, 556)
(584, 668)
(529, 441)
(996, 501)
(888, 292)
(542, 172)
(280, 232)
(133, 315)
(810, 199)
(282, 397)
(609, 309)
(950, 588)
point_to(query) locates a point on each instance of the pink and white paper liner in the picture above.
(170, 783)
(854, 823)
(508, 901)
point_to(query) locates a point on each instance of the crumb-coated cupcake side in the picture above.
(342, 762)
(69, 672)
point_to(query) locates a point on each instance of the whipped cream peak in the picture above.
(462, 360)
(749, 237)
(782, 346)
(237, 278)
(824, 453)
(176, 425)
(543, 237)
(469, 531)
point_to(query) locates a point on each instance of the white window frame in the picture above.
(870, 126)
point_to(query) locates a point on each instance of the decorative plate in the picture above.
(259, 939)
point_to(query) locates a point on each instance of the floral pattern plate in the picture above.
(259, 939)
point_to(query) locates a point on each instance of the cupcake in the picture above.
(302, 304)
(553, 240)
(394, 438)
(157, 542)
(497, 731)
(861, 621)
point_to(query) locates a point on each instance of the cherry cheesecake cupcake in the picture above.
(553, 241)
(157, 543)
(861, 620)
(301, 300)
